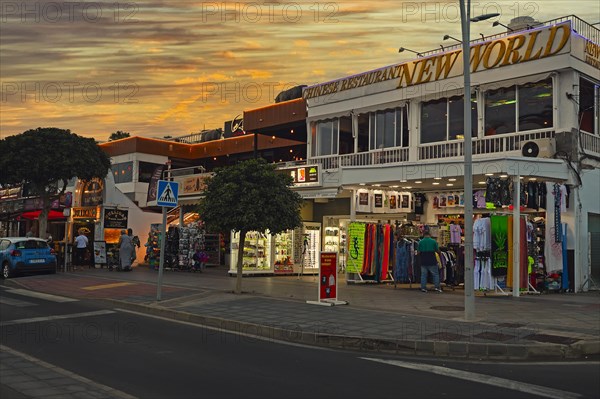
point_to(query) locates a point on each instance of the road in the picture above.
(149, 357)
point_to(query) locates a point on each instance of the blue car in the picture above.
(25, 255)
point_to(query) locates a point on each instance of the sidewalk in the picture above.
(378, 317)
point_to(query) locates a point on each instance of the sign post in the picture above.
(328, 281)
(166, 196)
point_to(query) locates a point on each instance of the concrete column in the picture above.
(516, 235)
(353, 206)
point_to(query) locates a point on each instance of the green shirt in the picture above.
(427, 249)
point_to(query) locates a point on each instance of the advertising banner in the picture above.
(115, 218)
(328, 276)
(356, 247)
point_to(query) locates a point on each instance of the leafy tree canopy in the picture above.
(118, 135)
(250, 196)
(44, 156)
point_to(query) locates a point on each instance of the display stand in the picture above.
(327, 288)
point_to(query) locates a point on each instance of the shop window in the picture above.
(387, 128)
(442, 119)
(589, 106)
(145, 171)
(123, 172)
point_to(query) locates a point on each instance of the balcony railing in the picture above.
(483, 147)
(590, 143)
(379, 157)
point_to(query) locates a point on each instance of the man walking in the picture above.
(81, 243)
(427, 249)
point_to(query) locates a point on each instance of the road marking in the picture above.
(15, 302)
(58, 317)
(41, 295)
(104, 286)
(112, 392)
(483, 379)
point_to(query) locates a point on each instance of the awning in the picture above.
(319, 193)
(52, 215)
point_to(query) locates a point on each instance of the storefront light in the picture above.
(361, 184)
(435, 183)
(503, 176)
(394, 186)
(376, 185)
(418, 182)
(481, 182)
(437, 178)
(449, 184)
(532, 179)
(403, 181)
(452, 179)
(489, 174)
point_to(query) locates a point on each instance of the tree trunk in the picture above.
(43, 218)
(240, 260)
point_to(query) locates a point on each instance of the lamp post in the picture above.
(468, 150)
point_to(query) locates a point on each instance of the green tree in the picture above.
(118, 135)
(250, 196)
(47, 157)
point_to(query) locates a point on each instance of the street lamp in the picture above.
(446, 37)
(401, 49)
(468, 150)
(496, 23)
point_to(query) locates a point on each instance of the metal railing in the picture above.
(590, 143)
(379, 157)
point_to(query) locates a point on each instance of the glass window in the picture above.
(500, 111)
(363, 132)
(123, 172)
(145, 171)
(456, 106)
(326, 136)
(434, 121)
(346, 138)
(389, 129)
(535, 105)
(587, 117)
(405, 130)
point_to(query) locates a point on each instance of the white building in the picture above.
(535, 117)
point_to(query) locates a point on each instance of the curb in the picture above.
(454, 350)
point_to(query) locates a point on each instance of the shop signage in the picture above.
(524, 46)
(192, 184)
(328, 280)
(91, 194)
(306, 175)
(88, 212)
(115, 218)
(592, 54)
(156, 175)
(10, 193)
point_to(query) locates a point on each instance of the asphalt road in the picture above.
(149, 357)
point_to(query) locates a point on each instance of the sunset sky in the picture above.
(158, 68)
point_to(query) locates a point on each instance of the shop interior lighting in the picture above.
(435, 183)
(449, 184)
(437, 178)
(489, 174)
(376, 185)
(481, 182)
(394, 186)
(403, 181)
(532, 179)
(361, 184)
(503, 176)
(418, 182)
(452, 179)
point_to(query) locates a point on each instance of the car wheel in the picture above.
(6, 272)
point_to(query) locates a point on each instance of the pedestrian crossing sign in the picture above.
(167, 193)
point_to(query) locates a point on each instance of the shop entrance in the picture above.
(87, 226)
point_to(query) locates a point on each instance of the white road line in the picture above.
(41, 295)
(483, 379)
(58, 317)
(15, 302)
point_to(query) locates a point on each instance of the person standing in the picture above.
(81, 244)
(126, 251)
(427, 250)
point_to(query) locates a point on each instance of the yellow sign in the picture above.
(511, 50)
(88, 212)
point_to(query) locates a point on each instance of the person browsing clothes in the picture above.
(427, 250)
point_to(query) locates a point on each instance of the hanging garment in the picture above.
(455, 233)
(500, 244)
(356, 247)
(402, 261)
(557, 209)
(420, 200)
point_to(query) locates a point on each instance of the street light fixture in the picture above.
(401, 49)
(496, 23)
(468, 150)
(446, 37)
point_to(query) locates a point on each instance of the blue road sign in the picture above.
(167, 193)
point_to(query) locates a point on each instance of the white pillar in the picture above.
(516, 266)
(353, 206)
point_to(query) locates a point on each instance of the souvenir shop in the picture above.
(291, 252)
(379, 252)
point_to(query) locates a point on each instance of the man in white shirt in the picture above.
(81, 243)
